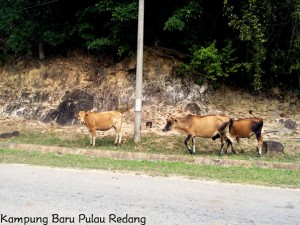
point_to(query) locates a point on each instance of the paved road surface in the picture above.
(40, 195)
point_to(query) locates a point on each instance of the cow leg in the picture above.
(225, 136)
(118, 139)
(221, 149)
(223, 139)
(186, 143)
(93, 137)
(118, 136)
(228, 144)
(231, 146)
(259, 145)
(94, 140)
(238, 141)
(194, 148)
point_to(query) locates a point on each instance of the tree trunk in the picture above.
(41, 51)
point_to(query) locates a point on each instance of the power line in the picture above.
(45, 3)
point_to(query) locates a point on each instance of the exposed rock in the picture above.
(192, 108)
(9, 134)
(272, 147)
(53, 90)
(290, 124)
(72, 102)
(287, 123)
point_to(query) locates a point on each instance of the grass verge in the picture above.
(151, 143)
(245, 175)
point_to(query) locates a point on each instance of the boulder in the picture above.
(193, 108)
(9, 134)
(272, 147)
(290, 124)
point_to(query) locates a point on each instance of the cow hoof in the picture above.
(258, 155)
(234, 152)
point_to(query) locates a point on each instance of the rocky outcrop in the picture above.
(54, 89)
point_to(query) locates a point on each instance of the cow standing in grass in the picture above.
(102, 121)
(201, 126)
(245, 128)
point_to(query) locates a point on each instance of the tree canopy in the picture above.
(253, 43)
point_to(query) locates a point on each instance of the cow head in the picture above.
(80, 116)
(171, 123)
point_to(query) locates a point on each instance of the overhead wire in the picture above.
(41, 4)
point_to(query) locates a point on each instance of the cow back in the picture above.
(244, 128)
(206, 126)
(103, 120)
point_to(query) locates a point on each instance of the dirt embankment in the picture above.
(46, 95)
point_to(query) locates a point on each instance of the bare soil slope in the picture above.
(43, 95)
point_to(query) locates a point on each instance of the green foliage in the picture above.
(100, 43)
(251, 21)
(208, 61)
(183, 16)
(113, 31)
(14, 28)
(125, 12)
(295, 40)
(24, 24)
(264, 35)
(270, 31)
(212, 64)
(54, 38)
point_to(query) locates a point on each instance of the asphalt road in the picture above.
(40, 195)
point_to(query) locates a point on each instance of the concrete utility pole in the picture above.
(139, 74)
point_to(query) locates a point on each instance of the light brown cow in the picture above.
(245, 128)
(201, 126)
(102, 121)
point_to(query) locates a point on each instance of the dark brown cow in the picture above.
(102, 121)
(245, 128)
(201, 126)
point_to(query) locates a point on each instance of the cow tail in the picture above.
(251, 112)
(230, 124)
(229, 138)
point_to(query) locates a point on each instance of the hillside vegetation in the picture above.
(253, 44)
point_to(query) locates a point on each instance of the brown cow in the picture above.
(102, 121)
(201, 126)
(245, 128)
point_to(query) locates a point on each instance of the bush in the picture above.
(208, 63)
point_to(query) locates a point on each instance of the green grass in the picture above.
(251, 175)
(171, 145)
(151, 143)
